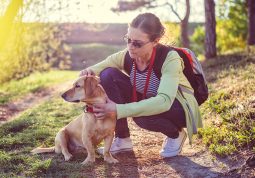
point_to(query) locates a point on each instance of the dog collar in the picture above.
(88, 108)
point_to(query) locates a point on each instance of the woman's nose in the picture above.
(130, 46)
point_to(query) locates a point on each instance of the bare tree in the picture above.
(126, 5)
(210, 29)
(251, 22)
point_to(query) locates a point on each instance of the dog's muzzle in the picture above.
(64, 96)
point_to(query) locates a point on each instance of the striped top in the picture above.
(141, 80)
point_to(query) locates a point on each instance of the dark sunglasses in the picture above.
(135, 43)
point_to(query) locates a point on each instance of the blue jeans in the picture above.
(119, 89)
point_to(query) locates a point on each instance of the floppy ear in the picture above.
(90, 85)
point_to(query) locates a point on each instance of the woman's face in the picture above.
(139, 44)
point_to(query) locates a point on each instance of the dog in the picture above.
(86, 130)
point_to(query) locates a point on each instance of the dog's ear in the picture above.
(90, 85)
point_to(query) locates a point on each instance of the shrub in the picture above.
(33, 47)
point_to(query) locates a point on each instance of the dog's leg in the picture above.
(62, 141)
(91, 157)
(107, 145)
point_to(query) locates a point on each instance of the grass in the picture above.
(36, 127)
(35, 82)
(229, 112)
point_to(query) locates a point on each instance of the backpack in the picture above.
(192, 69)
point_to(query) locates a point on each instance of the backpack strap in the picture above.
(188, 63)
(128, 62)
(183, 52)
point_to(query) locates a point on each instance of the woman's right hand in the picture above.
(87, 72)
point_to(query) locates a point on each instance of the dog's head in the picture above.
(85, 89)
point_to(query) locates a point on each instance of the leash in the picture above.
(134, 97)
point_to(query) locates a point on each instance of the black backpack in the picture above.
(192, 69)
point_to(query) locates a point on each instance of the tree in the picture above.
(210, 29)
(126, 5)
(6, 21)
(251, 22)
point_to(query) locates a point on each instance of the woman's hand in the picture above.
(103, 109)
(87, 72)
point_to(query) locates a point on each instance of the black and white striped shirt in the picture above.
(141, 80)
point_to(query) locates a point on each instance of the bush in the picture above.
(197, 40)
(33, 47)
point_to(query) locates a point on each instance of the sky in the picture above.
(98, 11)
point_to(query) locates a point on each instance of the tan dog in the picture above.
(85, 131)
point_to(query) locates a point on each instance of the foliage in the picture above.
(231, 28)
(227, 41)
(172, 34)
(15, 89)
(227, 38)
(230, 111)
(197, 40)
(29, 47)
(237, 14)
(33, 47)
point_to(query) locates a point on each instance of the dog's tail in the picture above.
(43, 150)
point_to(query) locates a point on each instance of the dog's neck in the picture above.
(95, 100)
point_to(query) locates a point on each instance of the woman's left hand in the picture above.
(102, 109)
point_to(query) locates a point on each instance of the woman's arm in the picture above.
(115, 60)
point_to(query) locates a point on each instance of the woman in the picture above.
(155, 103)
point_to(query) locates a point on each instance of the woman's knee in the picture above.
(107, 73)
(141, 122)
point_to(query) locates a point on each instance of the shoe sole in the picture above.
(175, 153)
(122, 150)
(118, 151)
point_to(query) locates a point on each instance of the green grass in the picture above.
(36, 127)
(35, 82)
(229, 113)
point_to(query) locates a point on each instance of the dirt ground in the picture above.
(144, 161)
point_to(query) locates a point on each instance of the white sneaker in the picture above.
(172, 147)
(118, 145)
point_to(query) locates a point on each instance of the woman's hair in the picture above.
(149, 24)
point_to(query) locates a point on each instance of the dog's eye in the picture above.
(77, 86)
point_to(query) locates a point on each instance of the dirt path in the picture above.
(10, 110)
(145, 161)
(194, 161)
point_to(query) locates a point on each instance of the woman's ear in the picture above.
(155, 42)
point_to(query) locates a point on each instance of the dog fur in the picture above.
(85, 131)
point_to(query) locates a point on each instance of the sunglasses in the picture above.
(135, 43)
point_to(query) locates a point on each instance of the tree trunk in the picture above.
(185, 26)
(210, 29)
(7, 20)
(251, 22)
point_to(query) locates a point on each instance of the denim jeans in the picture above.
(119, 89)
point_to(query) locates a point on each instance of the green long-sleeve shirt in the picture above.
(172, 77)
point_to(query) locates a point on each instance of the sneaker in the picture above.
(118, 145)
(172, 147)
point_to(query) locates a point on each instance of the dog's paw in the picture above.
(111, 160)
(68, 157)
(88, 162)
